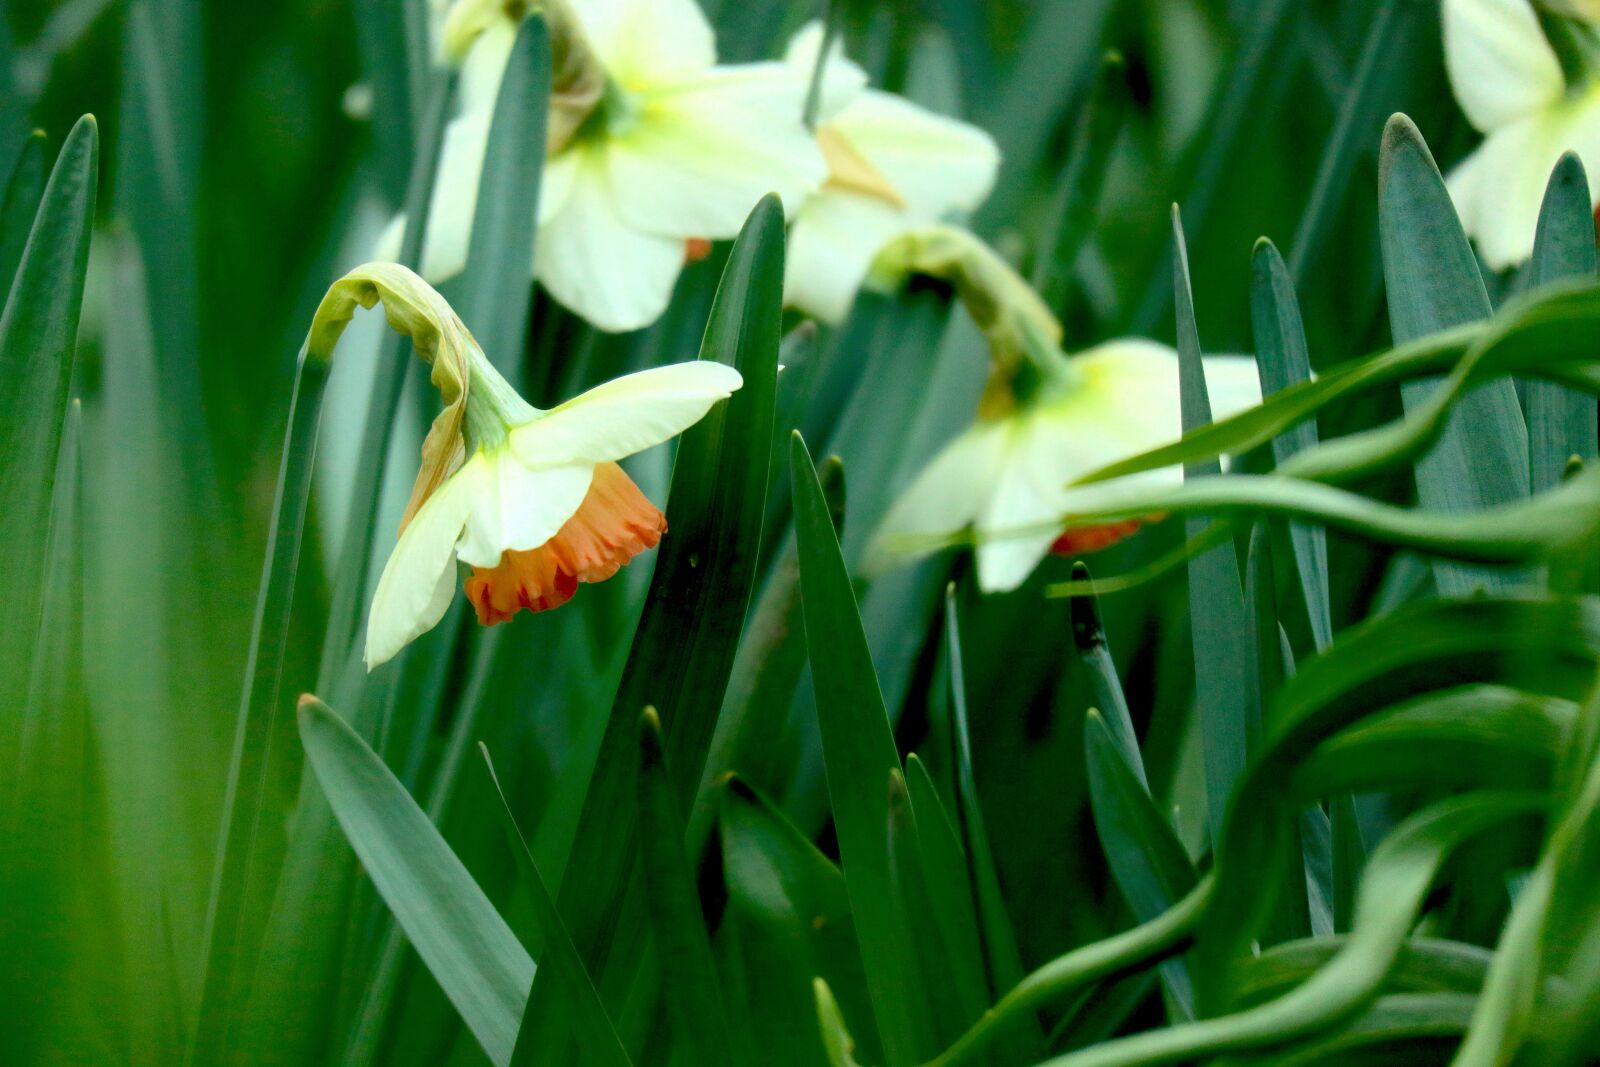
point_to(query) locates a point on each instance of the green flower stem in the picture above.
(231, 921)
(1146, 943)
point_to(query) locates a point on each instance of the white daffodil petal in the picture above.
(842, 79)
(626, 415)
(944, 498)
(1233, 383)
(556, 183)
(455, 195)
(937, 164)
(485, 66)
(1498, 189)
(419, 579)
(1500, 65)
(834, 240)
(519, 508)
(697, 158)
(647, 43)
(1019, 521)
(614, 275)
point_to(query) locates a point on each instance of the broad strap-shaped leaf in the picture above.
(1433, 284)
(1089, 637)
(466, 945)
(1001, 956)
(1562, 420)
(859, 750)
(590, 1021)
(496, 284)
(20, 205)
(1146, 858)
(683, 649)
(38, 339)
(1226, 695)
(788, 919)
(692, 994)
(1283, 360)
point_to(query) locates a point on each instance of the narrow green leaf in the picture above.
(1255, 77)
(1433, 283)
(592, 1024)
(1095, 132)
(1226, 696)
(240, 886)
(21, 204)
(1398, 880)
(1146, 858)
(1538, 643)
(1405, 1028)
(684, 647)
(954, 999)
(1090, 640)
(38, 339)
(1001, 957)
(1423, 965)
(860, 753)
(497, 280)
(949, 892)
(761, 686)
(1390, 34)
(693, 998)
(1283, 360)
(467, 946)
(792, 921)
(1561, 420)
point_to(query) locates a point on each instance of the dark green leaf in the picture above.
(859, 749)
(693, 999)
(590, 1021)
(497, 280)
(1283, 360)
(792, 921)
(1561, 420)
(1227, 699)
(1146, 858)
(20, 205)
(684, 647)
(38, 339)
(1433, 283)
(469, 949)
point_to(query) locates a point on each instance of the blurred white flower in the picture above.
(892, 166)
(540, 503)
(675, 151)
(1509, 81)
(1006, 478)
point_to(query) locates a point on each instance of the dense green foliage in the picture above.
(1307, 772)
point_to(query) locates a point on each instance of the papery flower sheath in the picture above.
(532, 501)
(1510, 81)
(654, 150)
(892, 166)
(1045, 420)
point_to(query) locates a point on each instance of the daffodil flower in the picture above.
(1510, 82)
(532, 501)
(1007, 477)
(1045, 420)
(657, 151)
(892, 167)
